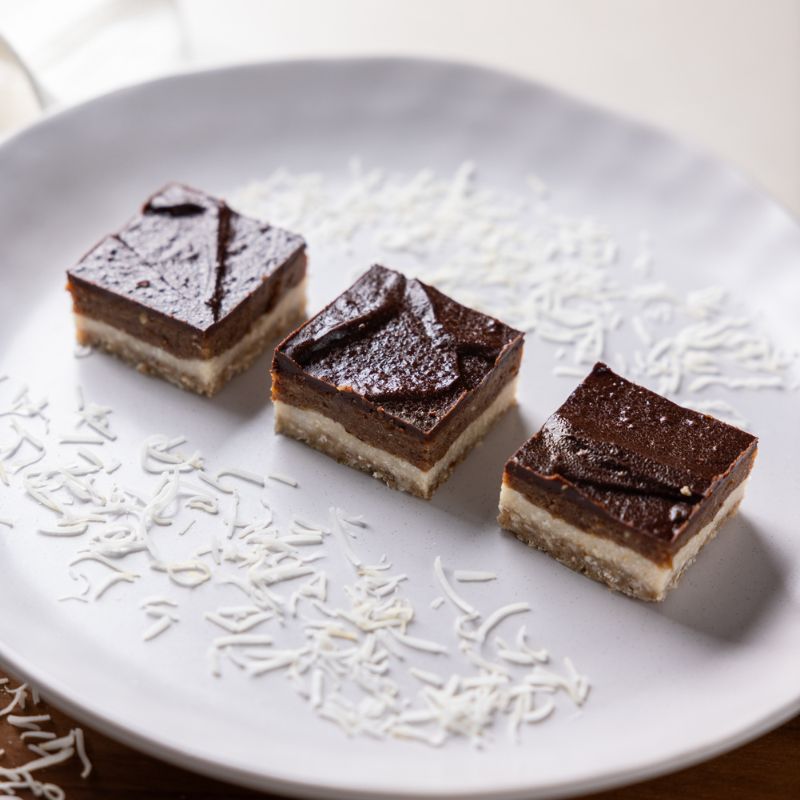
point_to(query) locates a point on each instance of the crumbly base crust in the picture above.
(599, 558)
(330, 437)
(201, 375)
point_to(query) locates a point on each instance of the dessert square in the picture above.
(396, 379)
(189, 290)
(625, 486)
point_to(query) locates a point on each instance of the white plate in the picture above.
(714, 665)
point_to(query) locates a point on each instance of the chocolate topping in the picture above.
(646, 461)
(188, 256)
(400, 343)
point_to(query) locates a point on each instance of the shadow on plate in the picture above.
(732, 586)
(247, 394)
(473, 490)
(243, 396)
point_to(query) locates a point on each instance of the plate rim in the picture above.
(684, 141)
(219, 770)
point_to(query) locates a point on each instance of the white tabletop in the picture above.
(724, 74)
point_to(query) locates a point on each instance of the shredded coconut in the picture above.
(48, 748)
(351, 650)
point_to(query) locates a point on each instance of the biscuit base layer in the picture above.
(331, 438)
(202, 375)
(619, 567)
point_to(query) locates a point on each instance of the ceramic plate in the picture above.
(714, 665)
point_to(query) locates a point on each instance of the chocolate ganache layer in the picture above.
(187, 273)
(402, 349)
(655, 469)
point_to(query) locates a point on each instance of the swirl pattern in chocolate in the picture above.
(645, 460)
(188, 256)
(401, 344)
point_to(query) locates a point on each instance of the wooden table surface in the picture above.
(766, 769)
